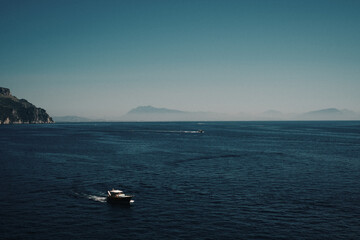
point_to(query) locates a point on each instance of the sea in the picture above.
(234, 180)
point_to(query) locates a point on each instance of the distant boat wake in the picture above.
(91, 197)
(184, 131)
(166, 131)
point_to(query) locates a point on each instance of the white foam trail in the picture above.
(169, 131)
(97, 198)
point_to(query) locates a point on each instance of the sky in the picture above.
(100, 59)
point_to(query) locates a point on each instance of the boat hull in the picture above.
(120, 200)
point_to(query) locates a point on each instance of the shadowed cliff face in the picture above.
(17, 111)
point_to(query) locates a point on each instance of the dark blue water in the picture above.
(238, 180)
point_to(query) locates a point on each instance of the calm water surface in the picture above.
(238, 180)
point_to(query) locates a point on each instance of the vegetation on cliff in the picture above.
(14, 110)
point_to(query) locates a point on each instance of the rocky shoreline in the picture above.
(20, 111)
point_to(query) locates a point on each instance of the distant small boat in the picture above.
(118, 197)
(200, 131)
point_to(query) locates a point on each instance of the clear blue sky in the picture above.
(102, 58)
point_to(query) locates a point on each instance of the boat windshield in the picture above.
(116, 191)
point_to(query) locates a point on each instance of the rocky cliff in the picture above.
(17, 111)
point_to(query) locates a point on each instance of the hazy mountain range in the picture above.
(14, 110)
(72, 119)
(331, 114)
(150, 113)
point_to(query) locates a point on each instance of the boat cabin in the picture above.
(115, 193)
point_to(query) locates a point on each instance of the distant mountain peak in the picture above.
(150, 113)
(151, 110)
(326, 111)
(330, 114)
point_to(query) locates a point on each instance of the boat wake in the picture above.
(170, 131)
(91, 197)
(97, 198)
(197, 131)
